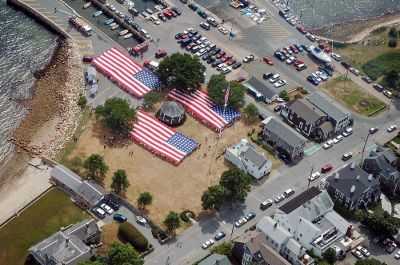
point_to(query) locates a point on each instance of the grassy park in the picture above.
(43, 218)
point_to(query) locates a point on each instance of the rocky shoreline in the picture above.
(53, 113)
(356, 30)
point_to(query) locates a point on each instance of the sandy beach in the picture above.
(356, 30)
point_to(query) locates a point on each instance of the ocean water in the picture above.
(25, 46)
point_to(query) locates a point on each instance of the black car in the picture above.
(262, 116)
(391, 248)
(327, 71)
(373, 130)
(236, 65)
(162, 17)
(192, 6)
(378, 87)
(196, 37)
(345, 64)
(268, 75)
(278, 108)
(184, 1)
(283, 157)
(137, 27)
(176, 10)
(112, 204)
(211, 60)
(312, 80)
(216, 63)
(206, 56)
(215, 51)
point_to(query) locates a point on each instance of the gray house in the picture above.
(339, 117)
(381, 164)
(268, 94)
(216, 259)
(353, 187)
(68, 246)
(86, 194)
(281, 137)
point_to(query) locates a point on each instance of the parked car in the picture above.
(87, 59)
(207, 244)
(99, 212)
(262, 116)
(212, 21)
(176, 10)
(378, 87)
(347, 156)
(278, 108)
(106, 208)
(338, 139)
(336, 56)
(288, 193)
(291, 59)
(373, 130)
(274, 78)
(112, 204)
(387, 93)
(162, 17)
(345, 64)
(160, 54)
(312, 80)
(348, 132)
(279, 198)
(119, 217)
(314, 176)
(328, 144)
(326, 168)
(391, 248)
(236, 65)
(226, 70)
(267, 60)
(267, 75)
(202, 13)
(392, 128)
(205, 25)
(250, 215)
(284, 157)
(223, 30)
(192, 6)
(280, 83)
(367, 79)
(357, 254)
(220, 235)
(266, 204)
(240, 79)
(241, 222)
(248, 58)
(397, 255)
(364, 251)
(354, 71)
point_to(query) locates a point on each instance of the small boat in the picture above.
(127, 36)
(158, 7)
(122, 33)
(87, 5)
(148, 10)
(97, 13)
(112, 24)
(109, 21)
(115, 26)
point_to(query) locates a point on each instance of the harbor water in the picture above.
(25, 46)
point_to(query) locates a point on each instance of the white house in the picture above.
(246, 157)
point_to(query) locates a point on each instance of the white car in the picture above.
(223, 30)
(392, 128)
(387, 94)
(316, 77)
(290, 60)
(336, 56)
(201, 52)
(226, 70)
(357, 254)
(354, 71)
(241, 222)
(208, 244)
(106, 208)
(248, 58)
(328, 144)
(348, 132)
(141, 220)
(314, 176)
(279, 100)
(280, 83)
(274, 78)
(288, 193)
(338, 139)
(279, 198)
(100, 212)
(323, 76)
(397, 255)
(221, 66)
(364, 251)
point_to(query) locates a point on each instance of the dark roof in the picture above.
(216, 259)
(254, 156)
(328, 106)
(271, 256)
(261, 87)
(305, 110)
(299, 200)
(172, 109)
(348, 178)
(386, 154)
(284, 131)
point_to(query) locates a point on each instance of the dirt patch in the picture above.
(108, 236)
(173, 188)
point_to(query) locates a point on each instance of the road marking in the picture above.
(189, 255)
(312, 150)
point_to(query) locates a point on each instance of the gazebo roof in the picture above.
(172, 109)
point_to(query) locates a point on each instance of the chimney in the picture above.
(369, 177)
(353, 165)
(353, 188)
(336, 177)
(358, 178)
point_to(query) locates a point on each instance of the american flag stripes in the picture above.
(126, 72)
(162, 139)
(204, 108)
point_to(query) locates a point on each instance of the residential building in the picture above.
(281, 137)
(68, 246)
(246, 157)
(215, 259)
(307, 119)
(86, 194)
(381, 164)
(313, 223)
(337, 115)
(352, 187)
(268, 94)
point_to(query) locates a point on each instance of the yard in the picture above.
(173, 187)
(43, 218)
(353, 96)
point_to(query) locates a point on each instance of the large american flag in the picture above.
(204, 108)
(162, 139)
(127, 72)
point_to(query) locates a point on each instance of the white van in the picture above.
(348, 132)
(301, 67)
(288, 192)
(100, 212)
(144, 33)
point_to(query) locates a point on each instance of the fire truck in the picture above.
(81, 25)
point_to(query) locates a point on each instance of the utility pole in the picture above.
(362, 152)
(309, 180)
(233, 227)
(390, 104)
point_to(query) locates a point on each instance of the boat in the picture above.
(320, 54)
(115, 26)
(109, 21)
(127, 36)
(112, 24)
(97, 13)
(158, 7)
(86, 5)
(148, 10)
(123, 32)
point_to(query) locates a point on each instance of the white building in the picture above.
(246, 157)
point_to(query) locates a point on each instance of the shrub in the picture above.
(82, 101)
(379, 65)
(155, 233)
(392, 43)
(393, 32)
(130, 234)
(284, 95)
(162, 234)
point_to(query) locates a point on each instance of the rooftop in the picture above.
(261, 87)
(284, 131)
(299, 200)
(328, 106)
(245, 150)
(216, 259)
(306, 110)
(273, 230)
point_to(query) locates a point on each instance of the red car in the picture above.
(231, 61)
(161, 54)
(294, 49)
(326, 168)
(267, 60)
(325, 47)
(172, 13)
(225, 58)
(87, 58)
(190, 46)
(220, 55)
(240, 79)
(301, 29)
(167, 14)
(296, 63)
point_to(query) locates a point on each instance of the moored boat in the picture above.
(87, 5)
(320, 54)
(148, 10)
(115, 26)
(127, 36)
(123, 32)
(97, 13)
(109, 21)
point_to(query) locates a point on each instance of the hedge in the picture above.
(130, 234)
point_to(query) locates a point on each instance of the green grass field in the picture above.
(382, 63)
(46, 216)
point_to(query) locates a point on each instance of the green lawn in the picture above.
(396, 140)
(46, 216)
(379, 65)
(351, 95)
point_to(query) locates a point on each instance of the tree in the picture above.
(225, 248)
(151, 98)
(216, 90)
(213, 197)
(172, 221)
(96, 168)
(392, 43)
(329, 255)
(181, 71)
(392, 79)
(120, 182)
(251, 112)
(82, 101)
(144, 199)
(123, 254)
(236, 184)
(370, 261)
(383, 224)
(117, 115)
(393, 32)
(89, 262)
(284, 95)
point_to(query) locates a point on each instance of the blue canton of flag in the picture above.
(147, 78)
(182, 143)
(229, 114)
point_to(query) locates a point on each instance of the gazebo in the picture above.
(171, 113)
